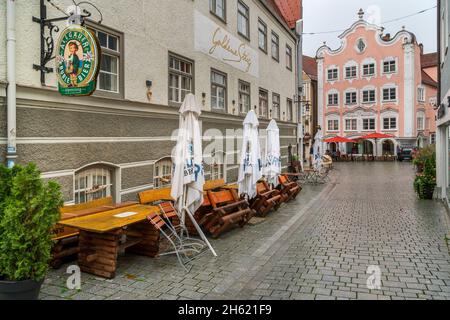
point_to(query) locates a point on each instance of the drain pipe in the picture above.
(298, 93)
(11, 155)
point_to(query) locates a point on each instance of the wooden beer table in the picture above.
(104, 235)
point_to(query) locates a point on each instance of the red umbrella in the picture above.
(338, 139)
(375, 136)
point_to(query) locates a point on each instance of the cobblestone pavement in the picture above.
(318, 247)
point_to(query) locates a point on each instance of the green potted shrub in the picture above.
(28, 210)
(421, 156)
(425, 183)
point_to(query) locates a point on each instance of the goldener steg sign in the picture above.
(218, 43)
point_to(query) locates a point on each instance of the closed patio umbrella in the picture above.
(188, 175)
(250, 164)
(318, 152)
(272, 156)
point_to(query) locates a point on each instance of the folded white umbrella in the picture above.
(272, 156)
(188, 175)
(318, 152)
(250, 164)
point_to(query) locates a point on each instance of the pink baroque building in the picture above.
(377, 83)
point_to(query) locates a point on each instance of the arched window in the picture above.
(94, 182)
(163, 173)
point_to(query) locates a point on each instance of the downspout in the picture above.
(11, 155)
(299, 85)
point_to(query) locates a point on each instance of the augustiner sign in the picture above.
(78, 60)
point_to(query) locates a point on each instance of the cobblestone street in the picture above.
(318, 247)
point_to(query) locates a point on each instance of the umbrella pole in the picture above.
(199, 230)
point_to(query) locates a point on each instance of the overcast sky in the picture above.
(330, 15)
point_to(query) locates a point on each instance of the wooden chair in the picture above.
(228, 212)
(266, 199)
(289, 190)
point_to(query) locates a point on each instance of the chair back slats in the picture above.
(149, 196)
(213, 184)
(219, 198)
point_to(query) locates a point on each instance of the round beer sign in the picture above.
(77, 61)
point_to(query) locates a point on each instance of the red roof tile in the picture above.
(291, 11)
(310, 67)
(429, 60)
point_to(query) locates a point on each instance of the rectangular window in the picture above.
(389, 66)
(420, 123)
(263, 103)
(333, 125)
(369, 124)
(180, 78)
(368, 69)
(109, 77)
(275, 46)
(421, 94)
(244, 97)
(351, 124)
(350, 98)
(333, 99)
(390, 94)
(243, 20)
(275, 106)
(350, 72)
(289, 110)
(333, 74)
(218, 8)
(369, 96)
(262, 35)
(390, 124)
(289, 57)
(218, 90)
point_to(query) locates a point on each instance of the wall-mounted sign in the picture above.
(218, 43)
(77, 61)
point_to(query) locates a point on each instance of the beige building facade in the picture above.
(234, 55)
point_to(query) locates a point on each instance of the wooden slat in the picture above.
(213, 184)
(149, 196)
(88, 205)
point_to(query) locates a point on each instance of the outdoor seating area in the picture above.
(175, 220)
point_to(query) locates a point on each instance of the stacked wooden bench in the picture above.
(228, 211)
(289, 190)
(66, 239)
(266, 199)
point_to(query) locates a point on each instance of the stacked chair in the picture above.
(267, 199)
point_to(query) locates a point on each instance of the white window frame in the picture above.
(390, 118)
(213, 9)
(333, 92)
(164, 178)
(244, 15)
(351, 124)
(334, 70)
(369, 89)
(217, 86)
(351, 91)
(421, 115)
(367, 62)
(389, 87)
(241, 93)
(390, 60)
(368, 119)
(350, 66)
(334, 122)
(89, 190)
(276, 106)
(421, 94)
(180, 74)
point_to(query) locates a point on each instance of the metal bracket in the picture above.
(47, 41)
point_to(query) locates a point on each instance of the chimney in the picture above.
(387, 37)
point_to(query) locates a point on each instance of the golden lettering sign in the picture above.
(240, 53)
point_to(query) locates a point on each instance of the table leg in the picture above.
(98, 253)
(149, 246)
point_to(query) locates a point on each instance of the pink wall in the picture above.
(377, 50)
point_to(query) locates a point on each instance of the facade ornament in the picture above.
(361, 14)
